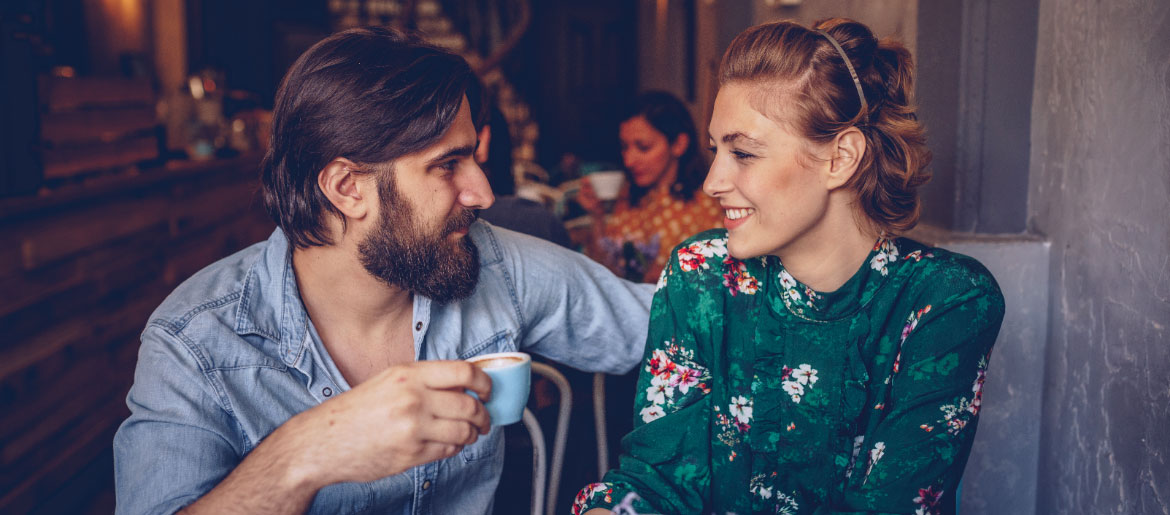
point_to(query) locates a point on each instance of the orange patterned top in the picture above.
(637, 240)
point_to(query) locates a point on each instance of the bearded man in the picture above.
(321, 370)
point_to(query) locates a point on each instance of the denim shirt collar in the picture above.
(270, 303)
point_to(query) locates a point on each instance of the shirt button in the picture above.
(426, 484)
(327, 391)
(418, 326)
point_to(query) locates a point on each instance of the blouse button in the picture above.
(327, 391)
(418, 326)
(426, 484)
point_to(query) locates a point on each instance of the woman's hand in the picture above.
(588, 200)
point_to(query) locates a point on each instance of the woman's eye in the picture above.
(711, 149)
(742, 156)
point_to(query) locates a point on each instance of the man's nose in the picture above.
(474, 190)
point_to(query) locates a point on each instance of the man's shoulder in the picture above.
(217, 287)
(498, 244)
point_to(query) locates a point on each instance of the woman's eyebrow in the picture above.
(742, 139)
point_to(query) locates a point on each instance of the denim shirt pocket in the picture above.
(487, 445)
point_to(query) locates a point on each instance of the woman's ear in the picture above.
(849, 148)
(680, 144)
(342, 184)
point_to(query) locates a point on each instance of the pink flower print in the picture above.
(736, 277)
(684, 379)
(587, 493)
(928, 498)
(785, 372)
(689, 261)
(660, 364)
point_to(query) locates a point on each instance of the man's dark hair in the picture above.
(370, 95)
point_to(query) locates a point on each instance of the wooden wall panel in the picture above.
(82, 272)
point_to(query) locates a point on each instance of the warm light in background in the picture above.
(115, 28)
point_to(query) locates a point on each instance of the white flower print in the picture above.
(651, 413)
(659, 390)
(794, 389)
(887, 253)
(805, 374)
(858, 442)
(741, 409)
(786, 280)
(875, 454)
(661, 280)
(710, 248)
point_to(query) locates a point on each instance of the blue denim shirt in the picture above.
(231, 355)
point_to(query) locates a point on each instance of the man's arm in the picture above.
(576, 311)
(177, 444)
(403, 417)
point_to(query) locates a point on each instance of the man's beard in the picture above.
(401, 253)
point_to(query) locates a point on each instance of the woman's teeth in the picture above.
(736, 214)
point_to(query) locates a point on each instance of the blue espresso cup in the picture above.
(511, 374)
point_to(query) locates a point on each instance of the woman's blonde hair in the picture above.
(806, 82)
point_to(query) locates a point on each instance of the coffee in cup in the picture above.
(511, 374)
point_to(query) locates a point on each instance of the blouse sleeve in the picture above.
(912, 454)
(664, 460)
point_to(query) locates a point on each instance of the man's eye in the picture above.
(449, 166)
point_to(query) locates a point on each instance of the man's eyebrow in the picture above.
(743, 139)
(463, 151)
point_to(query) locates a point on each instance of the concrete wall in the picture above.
(1100, 192)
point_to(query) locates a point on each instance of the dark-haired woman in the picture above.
(805, 359)
(663, 202)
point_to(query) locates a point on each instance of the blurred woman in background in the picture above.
(662, 202)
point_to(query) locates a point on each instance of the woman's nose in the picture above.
(715, 183)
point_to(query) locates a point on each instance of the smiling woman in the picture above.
(806, 359)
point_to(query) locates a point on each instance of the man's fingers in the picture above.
(459, 406)
(454, 375)
(450, 432)
(434, 451)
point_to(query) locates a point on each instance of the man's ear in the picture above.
(485, 140)
(344, 185)
(848, 149)
(680, 144)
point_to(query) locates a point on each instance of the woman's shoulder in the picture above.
(701, 255)
(943, 272)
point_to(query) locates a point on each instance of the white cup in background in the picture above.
(607, 184)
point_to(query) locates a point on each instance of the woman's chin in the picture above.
(740, 251)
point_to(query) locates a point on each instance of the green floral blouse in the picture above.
(761, 395)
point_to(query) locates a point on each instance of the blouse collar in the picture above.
(809, 304)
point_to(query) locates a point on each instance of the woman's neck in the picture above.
(666, 181)
(826, 258)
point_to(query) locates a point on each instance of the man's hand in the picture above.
(403, 417)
